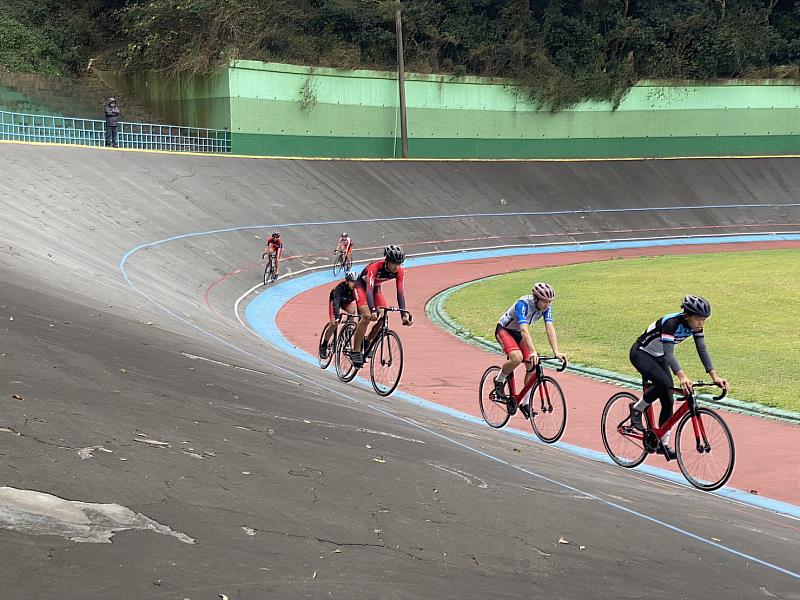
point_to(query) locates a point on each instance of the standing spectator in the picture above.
(112, 121)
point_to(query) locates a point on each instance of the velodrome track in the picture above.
(294, 489)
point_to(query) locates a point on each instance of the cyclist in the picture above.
(513, 334)
(274, 248)
(341, 297)
(369, 297)
(345, 246)
(653, 355)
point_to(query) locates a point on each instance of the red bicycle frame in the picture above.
(688, 405)
(535, 377)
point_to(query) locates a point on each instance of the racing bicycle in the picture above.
(705, 450)
(548, 409)
(384, 354)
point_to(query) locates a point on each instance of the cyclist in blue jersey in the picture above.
(653, 355)
(513, 334)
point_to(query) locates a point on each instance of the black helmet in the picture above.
(351, 276)
(695, 305)
(394, 253)
(276, 234)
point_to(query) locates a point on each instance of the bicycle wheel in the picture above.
(493, 409)
(338, 264)
(345, 369)
(705, 457)
(548, 410)
(386, 363)
(325, 362)
(269, 270)
(624, 444)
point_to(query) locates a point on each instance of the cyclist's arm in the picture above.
(551, 336)
(338, 247)
(526, 337)
(278, 252)
(702, 352)
(401, 291)
(370, 286)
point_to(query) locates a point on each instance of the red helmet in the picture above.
(542, 291)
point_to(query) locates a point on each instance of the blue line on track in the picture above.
(284, 288)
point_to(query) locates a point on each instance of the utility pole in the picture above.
(401, 80)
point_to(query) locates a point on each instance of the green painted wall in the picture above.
(290, 110)
(285, 110)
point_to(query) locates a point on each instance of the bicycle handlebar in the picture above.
(697, 384)
(563, 366)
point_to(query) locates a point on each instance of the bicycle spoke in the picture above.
(548, 424)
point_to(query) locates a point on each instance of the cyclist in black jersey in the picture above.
(653, 355)
(341, 297)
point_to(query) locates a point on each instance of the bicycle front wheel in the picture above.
(338, 265)
(386, 363)
(329, 348)
(345, 369)
(624, 444)
(705, 451)
(269, 270)
(548, 410)
(493, 409)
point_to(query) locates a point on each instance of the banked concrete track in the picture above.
(292, 490)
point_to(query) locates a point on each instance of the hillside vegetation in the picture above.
(561, 51)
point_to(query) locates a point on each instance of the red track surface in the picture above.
(767, 457)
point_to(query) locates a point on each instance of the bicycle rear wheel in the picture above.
(331, 350)
(706, 456)
(386, 363)
(624, 444)
(493, 409)
(338, 264)
(548, 410)
(345, 369)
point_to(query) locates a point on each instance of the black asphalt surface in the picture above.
(296, 486)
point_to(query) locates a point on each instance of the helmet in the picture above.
(695, 305)
(276, 234)
(396, 254)
(542, 291)
(344, 235)
(351, 276)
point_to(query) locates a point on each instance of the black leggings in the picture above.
(655, 370)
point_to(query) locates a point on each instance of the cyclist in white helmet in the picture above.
(513, 334)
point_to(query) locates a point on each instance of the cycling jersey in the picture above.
(525, 312)
(274, 244)
(346, 244)
(341, 296)
(370, 280)
(660, 337)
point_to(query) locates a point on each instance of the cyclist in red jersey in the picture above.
(345, 245)
(274, 246)
(369, 297)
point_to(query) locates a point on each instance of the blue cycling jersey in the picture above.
(524, 311)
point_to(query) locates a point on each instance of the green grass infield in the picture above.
(601, 308)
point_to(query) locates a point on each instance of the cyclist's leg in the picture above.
(364, 314)
(332, 328)
(655, 370)
(380, 302)
(514, 355)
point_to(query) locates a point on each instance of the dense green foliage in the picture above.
(562, 51)
(600, 310)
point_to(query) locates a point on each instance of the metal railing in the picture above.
(23, 127)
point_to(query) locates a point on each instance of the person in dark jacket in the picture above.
(112, 121)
